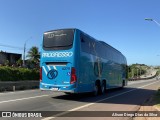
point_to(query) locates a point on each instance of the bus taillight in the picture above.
(73, 75)
(40, 75)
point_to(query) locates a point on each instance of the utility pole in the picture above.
(24, 51)
(132, 72)
(24, 54)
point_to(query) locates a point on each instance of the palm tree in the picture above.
(34, 55)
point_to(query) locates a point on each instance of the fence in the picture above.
(18, 85)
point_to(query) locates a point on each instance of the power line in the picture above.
(14, 47)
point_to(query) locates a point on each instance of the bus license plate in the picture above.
(55, 89)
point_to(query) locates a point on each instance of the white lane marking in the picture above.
(48, 67)
(22, 99)
(83, 106)
(44, 70)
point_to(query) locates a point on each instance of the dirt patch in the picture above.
(148, 105)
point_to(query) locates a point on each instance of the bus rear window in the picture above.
(58, 40)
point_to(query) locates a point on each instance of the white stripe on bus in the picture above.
(48, 67)
(54, 67)
(44, 69)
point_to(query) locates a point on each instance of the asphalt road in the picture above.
(127, 99)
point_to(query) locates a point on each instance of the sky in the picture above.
(119, 23)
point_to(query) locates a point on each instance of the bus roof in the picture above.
(104, 43)
(61, 29)
(101, 42)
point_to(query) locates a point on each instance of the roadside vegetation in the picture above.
(17, 72)
(8, 73)
(158, 71)
(136, 70)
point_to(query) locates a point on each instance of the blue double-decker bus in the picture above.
(74, 62)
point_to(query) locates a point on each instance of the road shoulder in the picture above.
(152, 105)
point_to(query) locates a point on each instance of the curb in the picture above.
(157, 108)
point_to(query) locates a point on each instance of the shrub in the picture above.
(18, 74)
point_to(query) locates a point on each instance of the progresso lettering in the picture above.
(57, 54)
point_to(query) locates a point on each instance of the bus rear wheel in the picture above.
(103, 87)
(123, 84)
(96, 90)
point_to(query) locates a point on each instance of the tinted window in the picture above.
(85, 43)
(59, 39)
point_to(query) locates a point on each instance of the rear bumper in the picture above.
(61, 88)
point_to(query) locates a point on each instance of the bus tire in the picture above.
(103, 87)
(96, 89)
(123, 84)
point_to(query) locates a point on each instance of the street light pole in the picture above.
(24, 51)
(150, 19)
(24, 54)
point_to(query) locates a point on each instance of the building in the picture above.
(11, 57)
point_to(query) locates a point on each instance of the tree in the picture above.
(19, 62)
(34, 55)
(6, 63)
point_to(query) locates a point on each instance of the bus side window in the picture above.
(85, 44)
(82, 40)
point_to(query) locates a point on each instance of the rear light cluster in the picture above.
(73, 76)
(40, 75)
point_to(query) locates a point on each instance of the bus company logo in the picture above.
(52, 35)
(52, 74)
(57, 54)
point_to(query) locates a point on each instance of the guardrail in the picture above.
(18, 85)
(134, 79)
